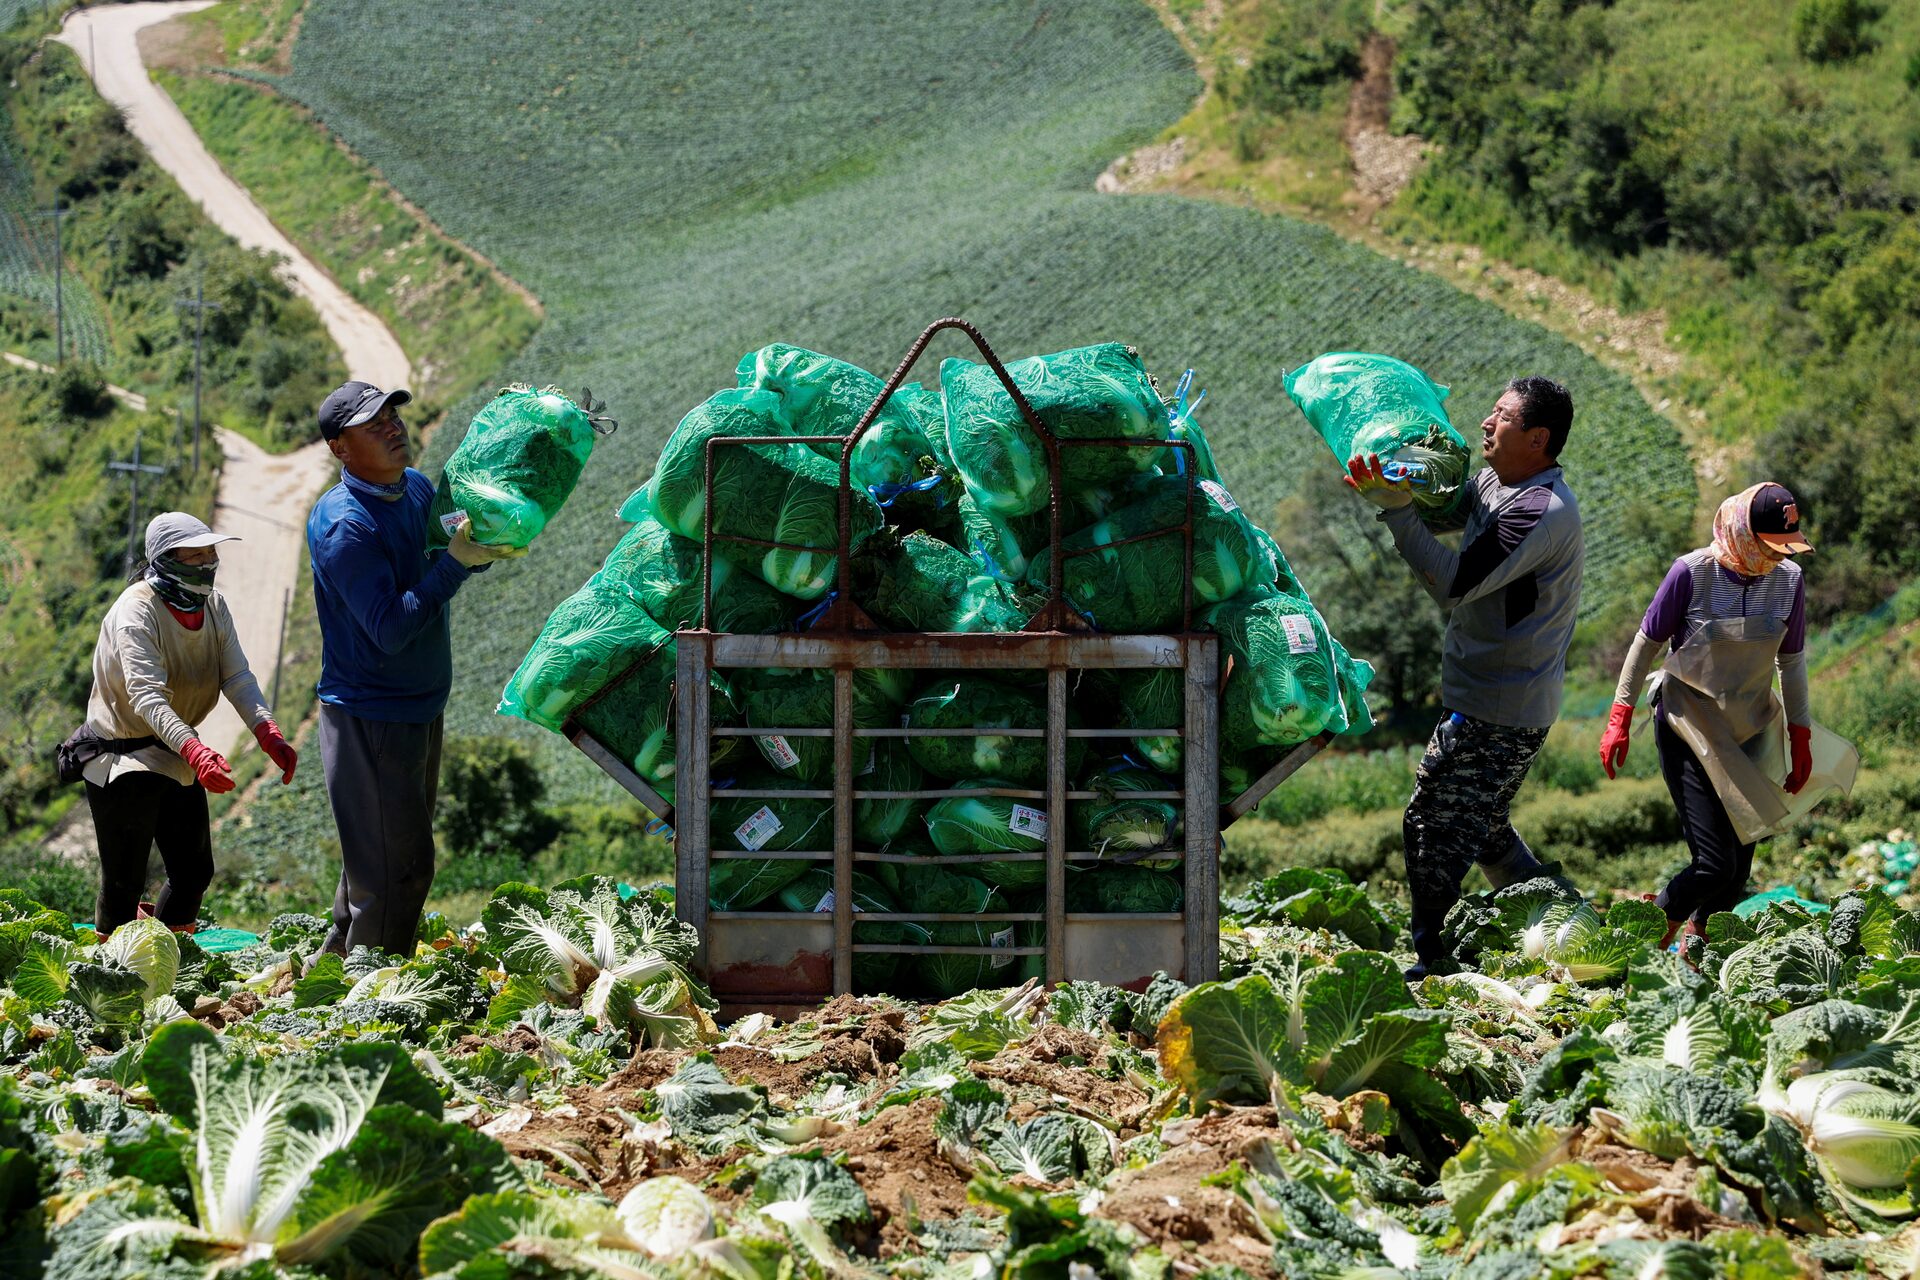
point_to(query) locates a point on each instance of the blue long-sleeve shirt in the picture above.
(385, 648)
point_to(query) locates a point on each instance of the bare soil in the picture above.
(1167, 1203)
(898, 1162)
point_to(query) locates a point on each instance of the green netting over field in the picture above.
(945, 167)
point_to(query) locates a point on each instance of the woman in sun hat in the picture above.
(167, 653)
(1735, 754)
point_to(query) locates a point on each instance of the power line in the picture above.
(199, 306)
(133, 470)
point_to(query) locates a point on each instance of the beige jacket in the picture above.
(153, 676)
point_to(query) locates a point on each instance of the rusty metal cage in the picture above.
(782, 960)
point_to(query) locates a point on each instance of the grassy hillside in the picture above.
(1741, 178)
(458, 319)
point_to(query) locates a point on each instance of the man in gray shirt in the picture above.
(1511, 593)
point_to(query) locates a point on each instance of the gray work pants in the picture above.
(382, 778)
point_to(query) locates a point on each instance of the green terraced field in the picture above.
(26, 262)
(684, 184)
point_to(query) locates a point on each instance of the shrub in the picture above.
(1833, 30)
(490, 794)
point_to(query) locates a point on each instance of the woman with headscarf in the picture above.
(166, 654)
(1733, 614)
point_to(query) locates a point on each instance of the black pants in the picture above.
(1716, 879)
(382, 778)
(133, 813)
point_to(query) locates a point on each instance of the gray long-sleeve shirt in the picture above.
(1512, 593)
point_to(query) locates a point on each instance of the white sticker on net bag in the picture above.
(754, 833)
(1028, 822)
(825, 903)
(1004, 938)
(1299, 629)
(779, 750)
(1218, 492)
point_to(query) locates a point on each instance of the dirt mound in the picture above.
(1070, 1064)
(647, 1068)
(897, 1161)
(1166, 1203)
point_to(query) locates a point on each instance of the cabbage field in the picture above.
(546, 1094)
(679, 183)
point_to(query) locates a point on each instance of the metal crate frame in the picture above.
(1057, 641)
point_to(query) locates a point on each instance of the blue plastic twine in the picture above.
(816, 613)
(1182, 414)
(887, 494)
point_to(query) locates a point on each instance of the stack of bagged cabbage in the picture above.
(949, 533)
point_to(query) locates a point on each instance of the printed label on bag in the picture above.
(1004, 938)
(1218, 492)
(451, 521)
(757, 830)
(873, 760)
(1299, 629)
(779, 750)
(825, 903)
(1028, 822)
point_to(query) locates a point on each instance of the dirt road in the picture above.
(263, 498)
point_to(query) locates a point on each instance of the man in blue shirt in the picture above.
(386, 663)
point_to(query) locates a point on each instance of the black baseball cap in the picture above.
(353, 403)
(1774, 518)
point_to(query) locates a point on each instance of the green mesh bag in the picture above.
(663, 572)
(591, 637)
(753, 825)
(1124, 890)
(878, 823)
(991, 824)
(787, 698)
(773, 492)
(1136, 586)
(873, 972)
(1289, 679)
(969, 702)
(1362, 403)
(634, 715)
(1125, 825)
(894, 460)
(928, 887)
(1154, 699)
(1089, 393)
(517, 464)
(919, 583)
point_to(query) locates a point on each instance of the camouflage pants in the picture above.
(1458, 816)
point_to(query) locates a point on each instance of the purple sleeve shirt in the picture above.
(1666, 617)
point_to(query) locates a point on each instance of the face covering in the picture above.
(1735, 545)
(184, 586)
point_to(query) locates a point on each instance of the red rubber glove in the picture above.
(209, 766)
(1613, 743)
(278, 749)
(1800, 738)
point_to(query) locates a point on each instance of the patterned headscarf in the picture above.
(1734, 544)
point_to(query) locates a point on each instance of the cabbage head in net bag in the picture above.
(633, 717)
(1154, 698)
(1289, 680)
(1124, 890)
(664, 572)
(960, 825)
(976, 702)
(877, 823)
(1003, 546)
(591, 637)
(752, 824)
(919, 583)
(1362, 403)
(937, 891)
(872, 972)
(802, 698)
(1100, 392)
(519, 461)
(893, 461)
(783, 493)
(1137, 585)
(1124, 824)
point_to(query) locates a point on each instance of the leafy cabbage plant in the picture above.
(622, 961)
(333, 1157)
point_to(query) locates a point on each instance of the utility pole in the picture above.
(133, 470)
(58, 212)
(113, 262)
(199, 306)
